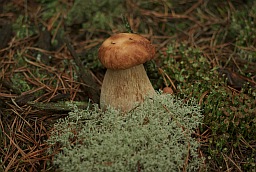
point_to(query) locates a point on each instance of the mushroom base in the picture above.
(124, 89)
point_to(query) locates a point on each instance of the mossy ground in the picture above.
(205, 50)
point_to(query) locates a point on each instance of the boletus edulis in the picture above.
(125, 83)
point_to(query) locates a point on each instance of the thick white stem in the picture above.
(124, 89)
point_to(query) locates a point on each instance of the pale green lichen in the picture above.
(155, 136)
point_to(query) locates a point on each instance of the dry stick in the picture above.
(15, 43)
(41, 65)
(226, 161)
(246, 143)
(202, 97)
(238, 168)
(33, 90)
(27, 156)
(164, 74)
(195, 6)
(2, 127)
(17, 113)
(55, 90)
(85, 74)
(11, 162)
(75, 92)
(58, 26)
(17, 147)
(36, 79)
(237, 65)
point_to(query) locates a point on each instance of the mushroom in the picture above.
(126, 83)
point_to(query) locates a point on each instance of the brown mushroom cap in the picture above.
(125, 50)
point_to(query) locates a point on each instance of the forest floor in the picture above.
(204, 49)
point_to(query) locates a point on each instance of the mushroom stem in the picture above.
(124, 89)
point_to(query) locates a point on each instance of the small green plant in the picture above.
(229, 115)
(19, 82)
(243, 29)
(23, 28)
(155, 136)
(95, 14)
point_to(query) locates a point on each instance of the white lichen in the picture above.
(155, 136)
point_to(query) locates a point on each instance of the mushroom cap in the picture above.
(125, 50)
